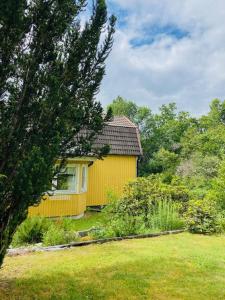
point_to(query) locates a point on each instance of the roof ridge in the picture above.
(121, 121)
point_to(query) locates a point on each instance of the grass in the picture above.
(174, 267)
(90, 219)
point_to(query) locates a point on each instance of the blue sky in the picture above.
(167, 51)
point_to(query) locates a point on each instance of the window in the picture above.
(84, 179)
(67, 180)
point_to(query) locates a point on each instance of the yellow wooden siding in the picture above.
(60, 205)
(112, 173)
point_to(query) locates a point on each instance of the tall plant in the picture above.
(51, 69)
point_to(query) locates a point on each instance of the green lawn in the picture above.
(180, 266)
(90, 219)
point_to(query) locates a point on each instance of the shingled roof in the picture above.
(121, 135)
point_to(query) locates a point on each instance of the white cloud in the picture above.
(189, 71)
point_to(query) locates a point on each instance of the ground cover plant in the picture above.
(181, 266)
(53, 231)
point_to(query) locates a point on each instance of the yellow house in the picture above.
(87, 180)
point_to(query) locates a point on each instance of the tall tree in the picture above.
(128, 108)
(51, 70)
(161, 133)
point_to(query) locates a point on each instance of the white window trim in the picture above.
(70, 192)
(84, 190)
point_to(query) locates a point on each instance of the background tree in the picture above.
(128, 108)
(161, 133)
(51, 70)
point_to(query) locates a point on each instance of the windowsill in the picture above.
(61, 193)
(83, 191)
(53, 193)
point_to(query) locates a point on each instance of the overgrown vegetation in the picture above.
(186, 150)
(50, 232)
(147, 205)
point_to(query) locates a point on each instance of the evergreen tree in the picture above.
(51, 69)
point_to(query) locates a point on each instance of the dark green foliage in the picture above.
(51, 70)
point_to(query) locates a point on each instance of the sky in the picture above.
(167, 51)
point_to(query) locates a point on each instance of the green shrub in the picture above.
(118, 227)
(202, 217)
(126, 225)
(40, 229)
(56, 236)
(31, 231)
(147, 204)
(165, 216)
(221, 222)
(66, 224)
(141, 194)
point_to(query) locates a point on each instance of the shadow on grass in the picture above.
(158, 278)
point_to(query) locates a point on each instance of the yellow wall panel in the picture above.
(60, 206)
(112, 173)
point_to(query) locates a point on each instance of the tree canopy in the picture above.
(189, 152)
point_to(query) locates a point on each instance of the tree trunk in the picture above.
(4, 240)
(8, 226)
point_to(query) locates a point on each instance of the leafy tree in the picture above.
(217, 192)
(162, 130)
(51, 70)
(123, 107)
(207, 135)
(164, 161)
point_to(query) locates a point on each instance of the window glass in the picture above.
(84, 179)
(66, 181)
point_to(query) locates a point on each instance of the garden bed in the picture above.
(21, 251)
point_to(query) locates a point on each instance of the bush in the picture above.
(56, 236)
(147, 204)
(165, 216)
(142, 194)
(202, 217)
(40, 229)
(221, 222)
(31, 231)
(119, 227)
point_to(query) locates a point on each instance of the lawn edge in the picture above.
(22, 251)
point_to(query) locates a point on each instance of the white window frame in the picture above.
(84, 188)
(77, 178)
